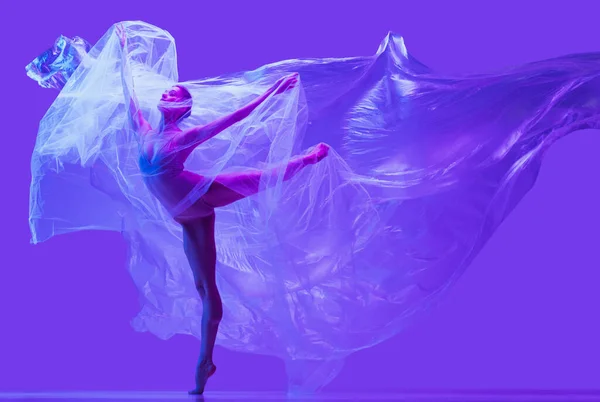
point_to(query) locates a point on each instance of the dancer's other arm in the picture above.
(199, 134)
(136, 119)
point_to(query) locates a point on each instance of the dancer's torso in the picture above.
(163, 171)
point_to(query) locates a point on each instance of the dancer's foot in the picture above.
(203, 372)
(317, 154)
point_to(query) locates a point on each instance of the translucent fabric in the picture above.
(422, 170)
(53, 68)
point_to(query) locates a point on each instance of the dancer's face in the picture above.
(173, 94)
(174, 101)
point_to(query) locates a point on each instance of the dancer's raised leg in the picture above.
(228, 188)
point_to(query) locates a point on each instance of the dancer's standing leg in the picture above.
(200, 249)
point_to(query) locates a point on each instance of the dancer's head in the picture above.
(175, 103)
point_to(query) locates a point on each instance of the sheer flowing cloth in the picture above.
(423, 168)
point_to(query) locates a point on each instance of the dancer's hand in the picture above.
(122, 34)
(285, 84)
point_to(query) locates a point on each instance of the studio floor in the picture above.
(446, 396)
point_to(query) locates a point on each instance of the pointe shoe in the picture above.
(203, 373)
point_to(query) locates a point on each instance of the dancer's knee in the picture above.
(211, 301)
(201, 288)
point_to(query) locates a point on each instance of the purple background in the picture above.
(525, 315)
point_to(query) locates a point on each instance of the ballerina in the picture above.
(422, 169)
(167, 179)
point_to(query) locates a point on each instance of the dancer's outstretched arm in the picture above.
(136, 119)
(199, 134)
